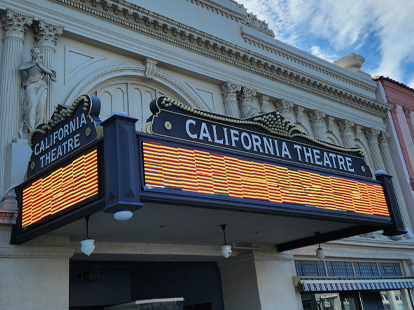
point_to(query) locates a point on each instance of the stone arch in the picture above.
(125, 87)
(332, 138)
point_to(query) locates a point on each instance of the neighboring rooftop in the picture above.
(386, 78)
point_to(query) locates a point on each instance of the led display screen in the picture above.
(189, 170)
(70, 186)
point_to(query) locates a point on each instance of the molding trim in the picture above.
(32, 252)
(152, 24)
(130, 69)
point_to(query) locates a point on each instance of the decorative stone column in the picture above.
(347, 133)
(46, 36)
(229, 92)
(284, 107)
(14, 27)
(317, 120)
(390, 169)
(407, 113)
(372, 138)
(265, 104)
(246, 103)
(358, 132)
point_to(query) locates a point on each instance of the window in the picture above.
(339, 269)
(310, 268)
(313, 268)
(390, 269)
(366, 269)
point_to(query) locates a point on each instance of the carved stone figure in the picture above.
(34, 103)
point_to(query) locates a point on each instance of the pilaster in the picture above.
(372, 138)
(390, 169)
(229, 92)
(46, 36)
(317, 120)
(14, 27)
(347, 132)
(299, 114)
(246, 103)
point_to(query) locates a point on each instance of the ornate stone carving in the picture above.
(194, 40)
(407, 113)
(317, 120)
(150, 68)
(246, 102)
(252, 21)
(15, 24)
(330, 123)
(229, 92)
(347, 133)
(35, 87)
(265, 104)
(284, 107)
(299, 114)
(47, 35)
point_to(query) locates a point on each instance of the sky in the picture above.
(382, 31)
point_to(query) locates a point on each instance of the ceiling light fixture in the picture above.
(88, 244)
(320, 253)
(123, 215)
(225, 248)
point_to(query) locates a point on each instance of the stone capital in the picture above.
(316, 116)
(407, 112)
(15, 24)
(229, 89)
(346, 126)
(47, 35)
(372, 135)
(384, 137)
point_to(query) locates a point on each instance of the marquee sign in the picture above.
(267, 136)
(68, 130)
(63, 173)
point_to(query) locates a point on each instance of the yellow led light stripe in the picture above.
(60, 190)
(208, 173)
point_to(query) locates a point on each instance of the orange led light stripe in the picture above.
(60, 190)
(208, 173)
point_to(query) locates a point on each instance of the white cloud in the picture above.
(345, 27)
(316, 51)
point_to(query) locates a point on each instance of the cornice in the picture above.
(152, 24)
(245, 18)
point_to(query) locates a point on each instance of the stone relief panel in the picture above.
(207, 96)
(77, 60)
(131, 97)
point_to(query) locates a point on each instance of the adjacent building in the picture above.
(223, 67)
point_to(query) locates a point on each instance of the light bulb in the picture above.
(226, 250)
(396, 237)
(320, 253)
(88, 246)
(124, 215)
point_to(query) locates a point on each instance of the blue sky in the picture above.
(382, 31)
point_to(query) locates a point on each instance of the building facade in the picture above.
(213, 56)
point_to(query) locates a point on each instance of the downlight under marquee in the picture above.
(190, 158)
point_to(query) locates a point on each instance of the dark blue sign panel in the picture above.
(68, 130)
(266, 136)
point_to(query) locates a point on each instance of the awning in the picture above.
(352, 284)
